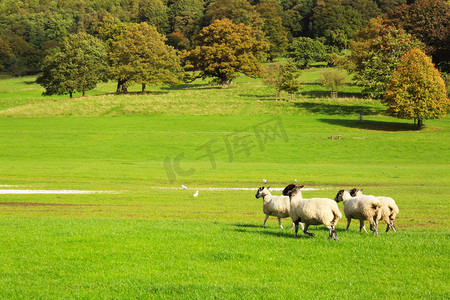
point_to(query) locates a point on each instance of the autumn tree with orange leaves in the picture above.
(417, 90)
(224, 50)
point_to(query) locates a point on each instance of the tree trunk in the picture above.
(419, 124)
(334, 94)
(70, 93)
(143, 88)
(278, 94)
(121, 87)
(84, 93)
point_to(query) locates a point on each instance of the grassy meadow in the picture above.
(146, 237)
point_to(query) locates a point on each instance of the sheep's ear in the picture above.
(301, 186)
(361, 190)
(268, 187)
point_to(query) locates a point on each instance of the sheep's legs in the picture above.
(305, 230)
(264, 224)
(279, 223)
(374, 227)
(390, 225)
(393, 227)
(333, 233)
(362, 226)
(349, 220)
(296, 227)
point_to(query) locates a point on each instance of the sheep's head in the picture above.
(288, 188)
(339, 196)
(355, 192)
(293, 190)
(261, 192)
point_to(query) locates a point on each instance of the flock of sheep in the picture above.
(318, 211)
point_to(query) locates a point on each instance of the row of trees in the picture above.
(29, 27)
(139, 53)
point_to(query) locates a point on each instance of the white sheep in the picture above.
(389, 208)
(313, 211)
(362, 208)
(277, 206)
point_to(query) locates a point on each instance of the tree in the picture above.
(154, 12)
(77, 65)
(429, 22)
(238, 11)
(6, 53)
(289, 80)
(417, 90)
(376, 59)
(333, 79)
(184, 15)
(224, 50)
(335, 22)
(273, 28)
(140, 55)
(304, 50)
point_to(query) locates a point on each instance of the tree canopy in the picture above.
(140, 55)
(376, 58)
(417, 90)
(77, 65)
(224, 49)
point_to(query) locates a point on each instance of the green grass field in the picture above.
(149, 238)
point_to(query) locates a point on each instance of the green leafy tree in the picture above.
(273, 28)
(335, 22)
(238, 11)
(429, 22)
(304, 50)
(77, 65)
(388, 5)
(184, 16)
(225, 49)
(6, 53)
(289, 80)
(417, 90)
(333, 79)
(110, 29)
(283, 77)
(140, 55)
(375, 60)
(154, 12)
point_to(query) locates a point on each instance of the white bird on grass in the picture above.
(295, 180)
(196, 194)
(184, 187)
(265, 181)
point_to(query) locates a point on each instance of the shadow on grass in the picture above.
(286, 233)
(371, 125)
(192, 86)
(327, 94)
(261, 97)
(338, 109)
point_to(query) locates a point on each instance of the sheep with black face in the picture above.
(277, 206)
(389, 208)
(362, 208)
(313, 211)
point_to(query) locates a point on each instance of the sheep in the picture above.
(313, 211)
(362, 208)
(389, 208)
(277, 206)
